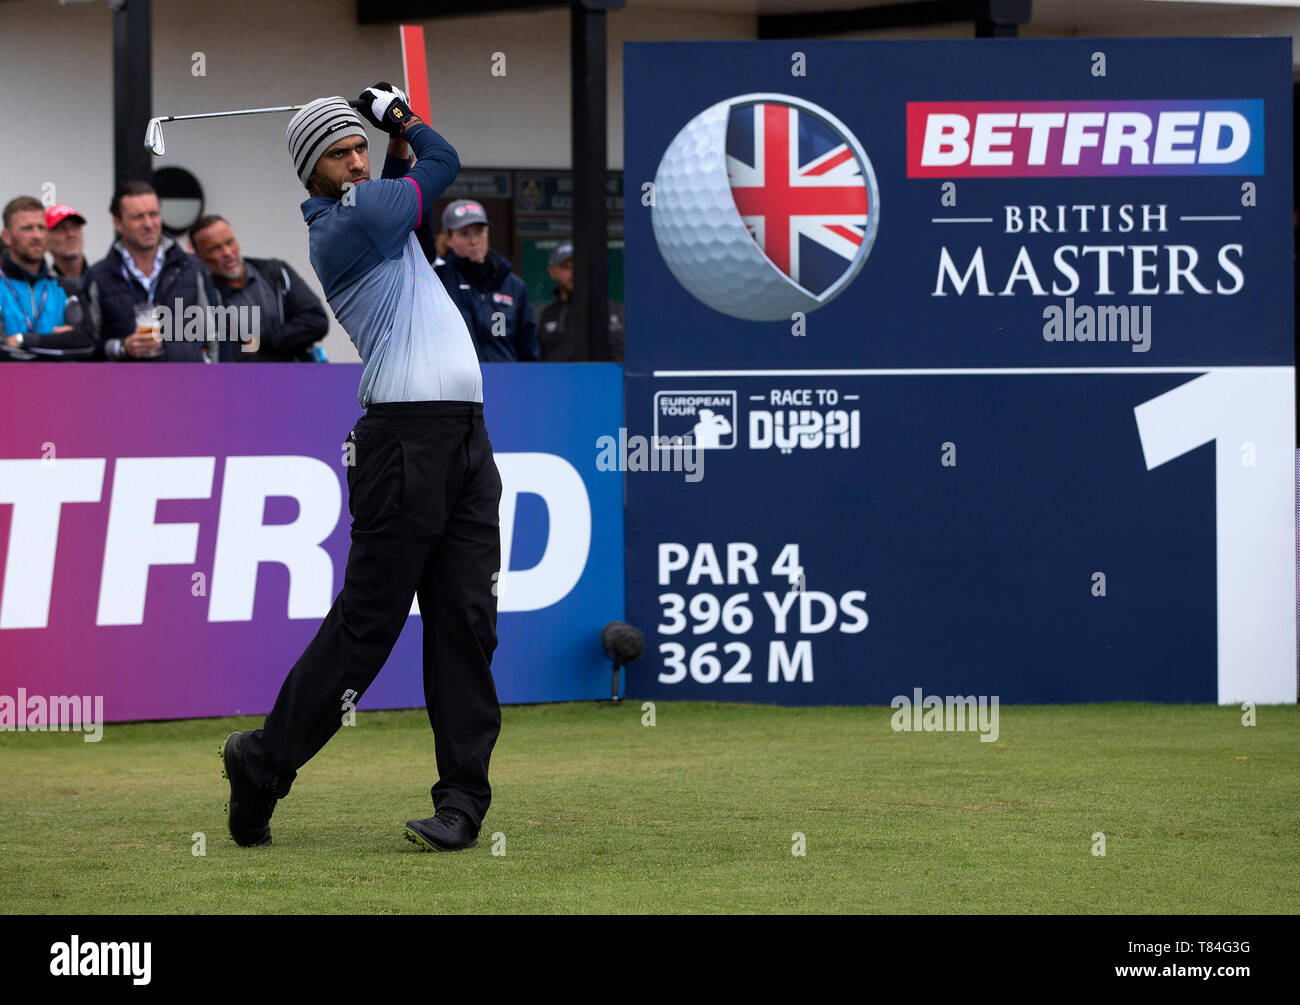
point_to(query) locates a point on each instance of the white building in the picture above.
(57, 76)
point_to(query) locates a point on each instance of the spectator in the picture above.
(145, 267)
(37, 316)
(556, 326)
(64, 242)
(492, 299)
(291, 319)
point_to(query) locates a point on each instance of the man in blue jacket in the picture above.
(38, 311)
(423, 488)
(491, 298)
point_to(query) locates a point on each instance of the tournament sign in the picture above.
(176, 567)
(977, 361)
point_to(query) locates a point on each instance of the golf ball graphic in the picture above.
(765, 204)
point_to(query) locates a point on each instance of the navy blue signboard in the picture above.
(960, 366)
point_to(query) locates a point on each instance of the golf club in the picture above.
(153, 136)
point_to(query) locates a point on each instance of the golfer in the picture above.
(423, 491)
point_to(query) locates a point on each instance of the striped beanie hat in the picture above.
(316, 127)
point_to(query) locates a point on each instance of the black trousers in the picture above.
(424, 494)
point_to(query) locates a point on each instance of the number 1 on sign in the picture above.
(1254, 509)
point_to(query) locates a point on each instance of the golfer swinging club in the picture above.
(423, 491)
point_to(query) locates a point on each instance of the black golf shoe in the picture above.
(446, 830)
(250, 807)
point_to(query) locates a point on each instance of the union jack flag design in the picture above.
(799, 189)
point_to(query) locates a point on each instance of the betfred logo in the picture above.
(1053, 139)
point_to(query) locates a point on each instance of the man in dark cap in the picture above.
(482, 284)
(556, 327)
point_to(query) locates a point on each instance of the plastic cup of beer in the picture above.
(147, 323)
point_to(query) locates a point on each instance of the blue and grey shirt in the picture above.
(412, 339)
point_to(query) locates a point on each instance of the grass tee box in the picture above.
(705, 811)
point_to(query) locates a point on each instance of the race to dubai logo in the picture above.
(765, 204)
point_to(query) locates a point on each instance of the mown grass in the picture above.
(596, 812)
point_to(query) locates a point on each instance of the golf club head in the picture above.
(153, 138)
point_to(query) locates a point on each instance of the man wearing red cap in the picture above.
(38, 315)
(64, 242)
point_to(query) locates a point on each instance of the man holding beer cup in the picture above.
(144, 278)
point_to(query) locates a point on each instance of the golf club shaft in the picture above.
(241, 111)
(153, 137)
